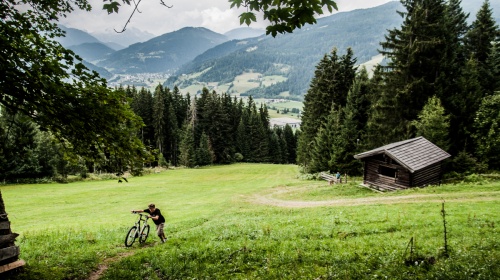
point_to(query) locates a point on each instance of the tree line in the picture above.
(440, 80)
(177, 130)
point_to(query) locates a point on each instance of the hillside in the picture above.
(289, 58)
(163, 53)
(256, 221)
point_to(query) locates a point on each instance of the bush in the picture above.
(465, 163)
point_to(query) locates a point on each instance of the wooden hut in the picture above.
(9, 252)
(410, 163)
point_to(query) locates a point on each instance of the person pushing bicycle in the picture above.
(158, 219)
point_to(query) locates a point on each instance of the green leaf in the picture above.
(247, 18)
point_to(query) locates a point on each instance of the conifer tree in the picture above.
(187, 155)
(332, 79)
(433, 123)
(324, 144)
(480, 39)
(487, 135)
(414, 53)
(385, 122)
(159, 113)
(291, 144)
(275, 151)
(204, 154)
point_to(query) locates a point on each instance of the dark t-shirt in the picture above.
(154, 214)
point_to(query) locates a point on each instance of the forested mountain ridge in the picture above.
(163, 53)
(291, 56)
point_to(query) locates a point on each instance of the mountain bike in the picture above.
(140, 229)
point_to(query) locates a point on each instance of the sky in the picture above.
(157, 19)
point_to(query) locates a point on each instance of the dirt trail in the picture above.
(270, 199)
(104, 266)
(95, 275)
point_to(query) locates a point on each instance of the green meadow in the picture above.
(256, 221)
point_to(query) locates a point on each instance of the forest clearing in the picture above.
(256, 221)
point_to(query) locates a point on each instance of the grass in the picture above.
(255, 221)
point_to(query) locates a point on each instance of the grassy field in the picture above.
(256, 221)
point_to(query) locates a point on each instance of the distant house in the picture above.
(410, 163)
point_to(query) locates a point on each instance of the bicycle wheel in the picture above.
(144, 234)
(131, 236)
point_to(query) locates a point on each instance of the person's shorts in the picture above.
(159, 229)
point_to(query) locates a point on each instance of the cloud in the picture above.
(154, 18)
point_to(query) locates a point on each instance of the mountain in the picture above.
(75, 37)
(128, 37)
(163, 53)
(244, 33)
(92, 51)
(284, 66)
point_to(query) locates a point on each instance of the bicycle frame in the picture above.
(140, 229)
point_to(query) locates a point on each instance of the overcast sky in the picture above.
(154, 18)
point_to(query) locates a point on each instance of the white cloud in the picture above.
(154, 18)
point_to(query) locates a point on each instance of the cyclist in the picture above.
(158, 219)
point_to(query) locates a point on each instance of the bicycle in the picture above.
(139, 230)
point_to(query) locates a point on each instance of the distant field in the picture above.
(246, 81)
(256, 221)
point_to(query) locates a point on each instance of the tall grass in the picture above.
(222, 223)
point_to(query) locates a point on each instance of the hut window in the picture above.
(387, 171)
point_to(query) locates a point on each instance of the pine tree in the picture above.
(291, 144)
(325, 142)
(187, 155)
(385, 122)
(159, 113)
(487, 135)
(415, 53)
(480, 39)
(433, 123)
(204, 154)
(332, 79)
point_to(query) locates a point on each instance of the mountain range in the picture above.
(242, 61)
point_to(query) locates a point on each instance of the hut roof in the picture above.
(414, 154)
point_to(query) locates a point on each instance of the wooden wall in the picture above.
(430, 175)
(9, 253)
(372, 176)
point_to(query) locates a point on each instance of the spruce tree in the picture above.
(414, 53)
(291, 144)
(333, 77)
(187, 155)
(204, 154)
(433, 124)
(487, 133)
(324, 144)
(483, 33)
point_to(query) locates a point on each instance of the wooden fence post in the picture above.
(9, 252)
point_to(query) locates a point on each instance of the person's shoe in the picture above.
(163, 240)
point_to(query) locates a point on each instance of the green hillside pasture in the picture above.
(271, 80)
(246, 81)
(256, 221)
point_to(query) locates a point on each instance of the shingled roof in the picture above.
(414, 154)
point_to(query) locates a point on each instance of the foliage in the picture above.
(433, 124)
(487, 136)
(48, 83)
(334, 76)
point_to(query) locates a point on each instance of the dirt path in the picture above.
(95, 275)
(270, 199)
(104, 265)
